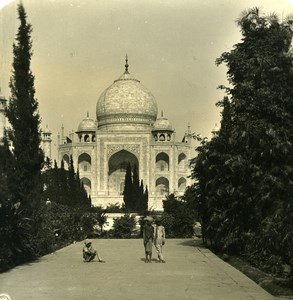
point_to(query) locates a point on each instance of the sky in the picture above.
(79, 49)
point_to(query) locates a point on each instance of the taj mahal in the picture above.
(127, 130)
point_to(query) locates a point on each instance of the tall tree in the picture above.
(136, 191)
(5, 171)
(245, 174)
(145, 200)
(127, 194)
(22, 114)
(73, 186)
(63, 187)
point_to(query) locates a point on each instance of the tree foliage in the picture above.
(127, 193)
(64, 187)
(135, 197)
(178, 217)
(245, 172)
(124, 226)
(37, 213)
(22, 114)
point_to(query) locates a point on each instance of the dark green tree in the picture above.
(127, 194)
(145, 199)
(245, 186)
(212, 192)
(124, 226)
(6, 207)
(22, 114)
(136, 197)
(176, 209)
(5, 170)
(73, 185)
(63, 187)
(101, 217)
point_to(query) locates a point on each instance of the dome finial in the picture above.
(162, 113)
(87, 114)
(126, 64)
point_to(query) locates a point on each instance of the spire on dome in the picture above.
(162, 114)
(87, 114)
(126, 64)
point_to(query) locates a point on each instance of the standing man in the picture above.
(148, 238)
(160, 240)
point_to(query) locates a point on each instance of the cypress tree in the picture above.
(63, 185)
(139, 201)
(22, 114)
(5, 170)
(127, 193)
(136, 195)
(145, 200)
(73, 189)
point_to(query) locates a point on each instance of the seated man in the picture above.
(89, 253)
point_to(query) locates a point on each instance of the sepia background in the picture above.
(80, 46)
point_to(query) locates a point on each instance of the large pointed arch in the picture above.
(117, 165)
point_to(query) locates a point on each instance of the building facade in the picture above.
(127, 130)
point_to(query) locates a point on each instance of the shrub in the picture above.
(87, 222)
(124, 226)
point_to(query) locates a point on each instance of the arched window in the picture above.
(162, 137)
(86, 138)
(66, 161)
(162, 186)
(181, 185)
(182, 160)
(84, 162)
(162, 162)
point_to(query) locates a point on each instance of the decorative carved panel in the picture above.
(133, 148)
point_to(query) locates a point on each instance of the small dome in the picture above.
(162, 124)
(87, 125)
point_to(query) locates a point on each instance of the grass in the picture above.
(272, 284)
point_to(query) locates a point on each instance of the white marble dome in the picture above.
(162, 124)
(87, 125)
(126, 102)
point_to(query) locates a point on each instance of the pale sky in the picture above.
(80, 45)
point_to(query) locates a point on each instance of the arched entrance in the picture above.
(117, 168)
